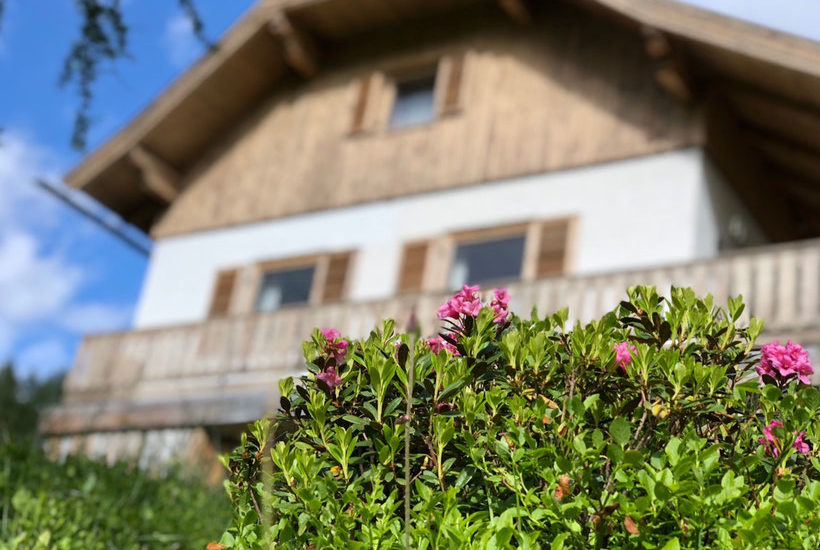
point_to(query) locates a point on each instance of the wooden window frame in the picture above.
(286, 264)
(484, 234)
(248, 280)
(442, 249)
(374, 94)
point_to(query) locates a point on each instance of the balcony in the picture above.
(224, 371)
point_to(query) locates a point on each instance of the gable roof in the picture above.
(760, 87)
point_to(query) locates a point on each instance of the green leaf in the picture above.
(672, 450)
(356, 420)
(451, 390)
(621, 430)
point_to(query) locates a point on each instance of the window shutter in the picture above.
(552, 248)
(221, 301)
(334, 287)
(360, 107)
(452, 91)
(411, 275)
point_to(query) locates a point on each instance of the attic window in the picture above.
(415, 102)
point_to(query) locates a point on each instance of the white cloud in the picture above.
(21, 163)
(41, 305)
(44, 358)
(95, 317)
(182, 46)
(33, 287)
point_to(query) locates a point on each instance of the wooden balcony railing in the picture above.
(246, 355)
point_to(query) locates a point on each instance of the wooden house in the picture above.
(334, 162)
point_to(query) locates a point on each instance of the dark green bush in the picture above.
(649, 428)
(86, 505)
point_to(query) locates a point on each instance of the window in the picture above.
(488, 260)
(415, 102)
(284, 287)
(405, 95)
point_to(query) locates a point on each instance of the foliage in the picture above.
(644, 429)
(22, 400)
(85, 505)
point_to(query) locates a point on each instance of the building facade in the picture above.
(334, 162)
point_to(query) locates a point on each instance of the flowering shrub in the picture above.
(657, 426)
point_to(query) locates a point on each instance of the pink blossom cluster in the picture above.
(437, 343)
(336, 347)
(330, 377)
(467, 302)
(772, 444)
(500, 304)
(781, 362)
(623, 354)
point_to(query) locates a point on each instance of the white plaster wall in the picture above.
(651, 210)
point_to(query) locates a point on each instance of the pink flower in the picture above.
(468, 290)
(772, 444)
(329, 377)
(499, 304)
(781, 362)
(471, 308)
(623, 354)
(331, 333)
(464, 302)
(769, 441)
(501, 296)
(437, 343)
(801, 446)
(448, 309)
(336, 345)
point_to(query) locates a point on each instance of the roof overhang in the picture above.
(761, 89)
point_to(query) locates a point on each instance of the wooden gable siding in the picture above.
(566, 92)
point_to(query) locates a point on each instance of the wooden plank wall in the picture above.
(568, 91)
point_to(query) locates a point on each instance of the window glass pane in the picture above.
(485, 261)
(415, 102)
(285, 287)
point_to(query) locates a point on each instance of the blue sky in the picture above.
(60, 276)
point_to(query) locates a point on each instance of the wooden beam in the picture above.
(795, 122)
(809, 194)
(157, 175)
(517, 10)
(671, 78)
(656, 43)
(790, 157)
(746, 172)
(671, 70)
(300, 50)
